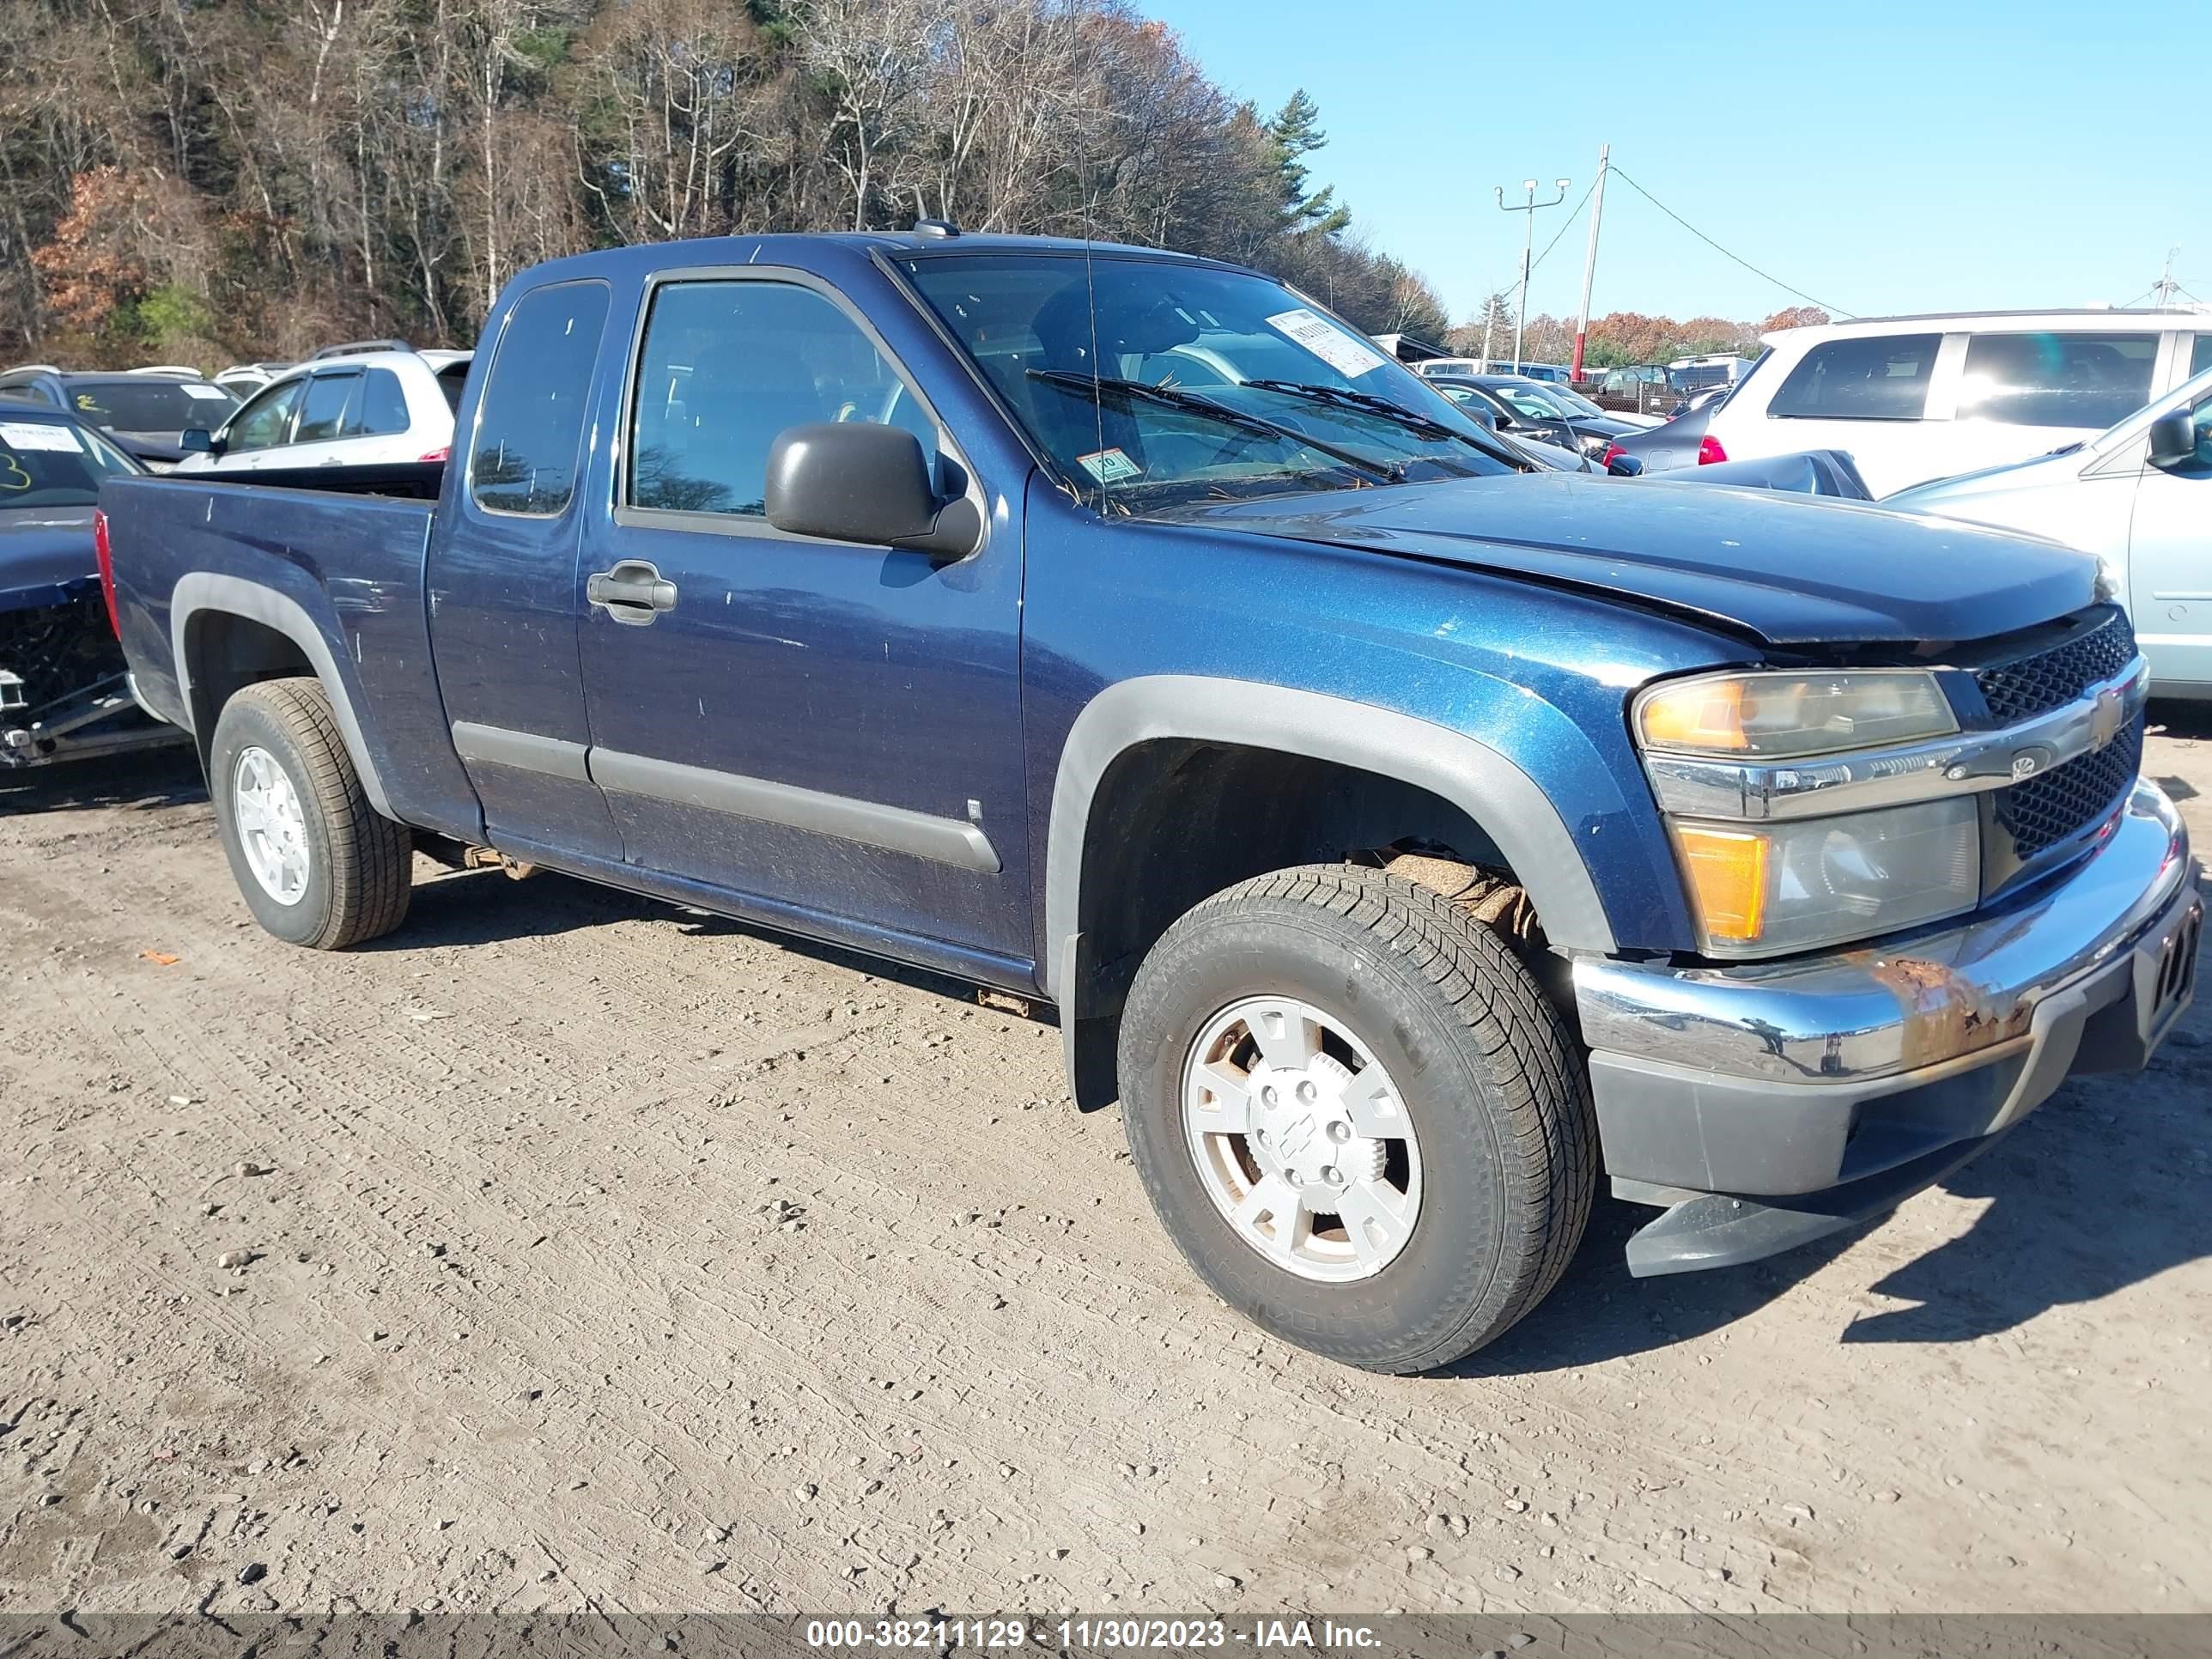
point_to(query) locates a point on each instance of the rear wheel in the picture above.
(318, 865)
(1358, 1114)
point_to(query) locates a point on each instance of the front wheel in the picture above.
(1358, 1116)
(318, 866)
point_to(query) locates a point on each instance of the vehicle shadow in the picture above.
(142, 780)
(461, 908)
(2191, 722)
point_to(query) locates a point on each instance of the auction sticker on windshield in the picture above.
(214, 394)
(1110, 465)
(28, 435)
(1332, 345)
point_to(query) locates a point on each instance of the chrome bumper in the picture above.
(1788, 1078)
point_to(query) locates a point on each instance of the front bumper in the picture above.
(1767, 1104)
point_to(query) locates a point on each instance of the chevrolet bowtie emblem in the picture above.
(2104, 720)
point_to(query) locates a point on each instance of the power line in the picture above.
(1837, 311)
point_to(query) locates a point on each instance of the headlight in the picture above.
(1763, 889)
(1787, 716)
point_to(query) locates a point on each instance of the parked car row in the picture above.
(2086, 428)
(371, 403)
(366, 403)
(145, 411)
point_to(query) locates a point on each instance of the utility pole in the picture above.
(1528, 246)
(2163, 290)
(1589, 258)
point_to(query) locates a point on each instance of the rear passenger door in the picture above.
(2025, 394)
(504, 595)
(329, 406)
(832, 728)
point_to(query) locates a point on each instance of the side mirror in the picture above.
(2174, 438)
(1625, 466)
(198, 440)
(851, 480)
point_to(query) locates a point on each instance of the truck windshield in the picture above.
(1152, 383)
(46, 463)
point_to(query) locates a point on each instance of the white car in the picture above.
(2140, 498)
(1914, 398)
(368, 409)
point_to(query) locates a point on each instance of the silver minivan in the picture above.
(2139, 496)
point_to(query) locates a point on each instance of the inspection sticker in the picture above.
(31, 435)
(1327, 342)
(1110, 465)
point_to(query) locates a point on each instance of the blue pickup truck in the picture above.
(1402, 831)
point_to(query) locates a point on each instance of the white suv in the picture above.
(359, 409)
(1915, 399)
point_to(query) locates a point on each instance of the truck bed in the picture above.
(337, 569)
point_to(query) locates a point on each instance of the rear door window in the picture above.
(2200, 358)
(1882, 379)
(381, 411)
(323, 413)
(529, 426)
(2057, 380)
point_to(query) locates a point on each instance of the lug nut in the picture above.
(1267, 1095)
(1334, 1176)
(1306, 1091)
(1339, 1132)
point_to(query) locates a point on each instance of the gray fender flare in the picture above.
(1485, 783)
(200, 591)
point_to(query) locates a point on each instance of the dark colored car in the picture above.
(147, 412)
(1682, 441)
(1530, 409)
(63, 693)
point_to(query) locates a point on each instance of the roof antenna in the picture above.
(1090, 294)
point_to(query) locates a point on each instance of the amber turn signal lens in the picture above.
(1701, 714)
(1727, 873)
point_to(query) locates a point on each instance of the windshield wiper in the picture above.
(1412, 419)
(1176, 398)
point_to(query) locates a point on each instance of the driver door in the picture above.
(830, 727)
(2170, 565)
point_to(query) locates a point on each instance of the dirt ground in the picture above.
(606, 1256)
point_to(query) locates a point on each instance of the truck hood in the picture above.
(1789, 569)
(46, 555)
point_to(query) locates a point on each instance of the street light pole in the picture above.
(1528, 246)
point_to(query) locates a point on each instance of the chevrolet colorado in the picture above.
(1401, 832)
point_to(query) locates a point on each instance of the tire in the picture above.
(1482, 1068)
(354, 866)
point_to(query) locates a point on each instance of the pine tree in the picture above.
(1296, 132)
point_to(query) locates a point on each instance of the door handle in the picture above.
(632, 593)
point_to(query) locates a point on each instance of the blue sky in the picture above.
(1952, 154)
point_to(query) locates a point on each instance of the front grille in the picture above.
(2043, 812)
(2050, 679)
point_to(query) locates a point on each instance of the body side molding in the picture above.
(893, 829)
(525, 750)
